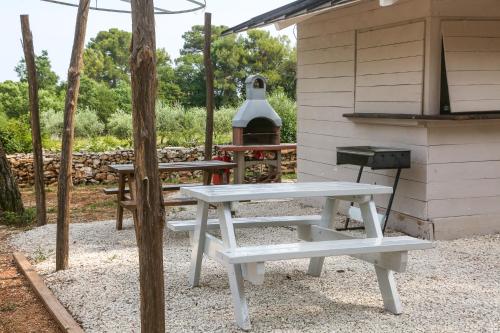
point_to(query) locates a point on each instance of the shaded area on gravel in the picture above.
(452, 288)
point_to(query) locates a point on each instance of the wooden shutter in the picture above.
(389, 69)
(472, 55)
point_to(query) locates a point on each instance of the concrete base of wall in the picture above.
(439, 229)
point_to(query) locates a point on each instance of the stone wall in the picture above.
(92, 168)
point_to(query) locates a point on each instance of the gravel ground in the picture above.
(452, 288)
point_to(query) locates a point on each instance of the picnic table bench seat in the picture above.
(168, 202)
(166, 188)
(248, 222)
(262, 253)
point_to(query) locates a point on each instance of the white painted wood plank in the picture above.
(198, 244)
(330, 113)
(444, 172)
(248, 222)
(227, 193)
(337, 54)
(476, 106)
(340, 99)
(464, 207)
(326, 248)
(464, 189)
(393, 79)
(326, 41)
(471, 28)
(464, 134)
(394, 51)
(326, 84)
(334, 69)
(477, 44)
(389, 107)
(393, 35)
(401, 93)
(472, 61)
(400, 65)
(475, 92)
(465, 78)
(474, 152)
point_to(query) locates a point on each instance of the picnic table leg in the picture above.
(198, 243)
(119, 197)
(385, 277)
(234, 272)
(327, 220)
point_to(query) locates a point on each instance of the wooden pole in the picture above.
(10, 197)
(209, 77)
(65, 183)
(150, 213)
(36, 137)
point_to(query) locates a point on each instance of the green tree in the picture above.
(168, 90)
(272, 57)
(47, 78)
(106, 57)
(13, 98)
(98, 97)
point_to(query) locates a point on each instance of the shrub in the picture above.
(52, 122)
(287, 110)
(120, 125)
(24, 219)
(87, 124)
(100, 144)
(223, 125)
(15, 134)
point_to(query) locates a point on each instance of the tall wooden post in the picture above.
(150, 214)
(209, 78)
(65, 182)
(10, 197)
(36, 138)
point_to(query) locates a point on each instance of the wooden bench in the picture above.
(248, 222)
(262, 253)
(168, 202)
(165, 188)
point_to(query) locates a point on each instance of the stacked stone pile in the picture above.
(93, 168)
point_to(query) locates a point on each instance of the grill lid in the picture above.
(256, 105)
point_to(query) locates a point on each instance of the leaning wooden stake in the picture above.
(209, 77)
(36, 138)
(150, 214)
(65, 183)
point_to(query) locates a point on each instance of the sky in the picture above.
(53, 26)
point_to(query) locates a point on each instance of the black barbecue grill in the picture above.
(377, 158)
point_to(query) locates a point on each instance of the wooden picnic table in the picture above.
(319, 239)
(126, 175)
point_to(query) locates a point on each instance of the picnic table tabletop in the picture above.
(226, 193)
(178, 166)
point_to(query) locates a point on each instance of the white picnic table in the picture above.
(317, 237)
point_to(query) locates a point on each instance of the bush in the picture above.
(223, 125)
(87, 124)
(100, 144)
(52, 123)
(120, 125)
(26, 218)
(15, 134)
(177, 126)
(287, 110)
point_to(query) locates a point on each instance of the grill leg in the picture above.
(389, 206)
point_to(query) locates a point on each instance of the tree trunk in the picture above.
(10, 197)
(36, 138)
(65, 183)
(150, 214)
(209, 77)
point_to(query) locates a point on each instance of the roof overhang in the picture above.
(294, 13)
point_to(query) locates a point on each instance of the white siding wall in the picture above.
(389, 69)
(472, 50)
(455, 176)
(325, 91)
